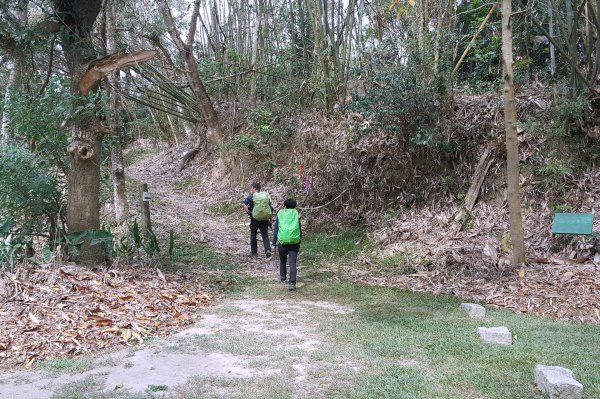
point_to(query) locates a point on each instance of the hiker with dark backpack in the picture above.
(287, 234)
(258, 207)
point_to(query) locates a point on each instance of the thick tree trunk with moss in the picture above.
(83, 200)
(83, 206)
(512, 143)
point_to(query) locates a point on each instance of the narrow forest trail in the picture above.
(290, 345)
(188, 215)
(244, 345)
(330, 339)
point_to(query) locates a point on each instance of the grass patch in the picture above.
(390, 326)
(89, 388)
(157, 388)
(199, 255)
(218, 269)
(68, 365)
(322, 248)
(398, 263)
(392, 382)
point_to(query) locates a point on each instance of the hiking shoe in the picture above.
(283, 280)
(253, 255)
(292, 286)
(269, 256)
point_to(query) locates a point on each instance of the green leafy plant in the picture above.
(572, 110)
(147, 241)
(245, 141)
(405, 102)
(151, 245)
(481, 68)
(9, 247)
(33, 201)
(76, 239)
(262, 119)
(563, 208)
(157, 388)
(134, 231)
(270, 165)
(553, 174)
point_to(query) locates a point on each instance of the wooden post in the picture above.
(146, 226)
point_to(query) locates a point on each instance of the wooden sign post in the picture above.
(146, 226)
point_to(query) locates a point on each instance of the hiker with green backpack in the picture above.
(287, 234)
(258, 206)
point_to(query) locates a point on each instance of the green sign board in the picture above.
(573, 223)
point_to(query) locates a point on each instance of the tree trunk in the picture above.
(18, 62)
(213, 134)
(512, 143)
(121, 205)
(552, 50)
(83, 204)
(83, 200)
(571, 41)
(11, 84)
(254, 56)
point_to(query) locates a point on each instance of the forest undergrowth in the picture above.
(407, 236)
(410, 200)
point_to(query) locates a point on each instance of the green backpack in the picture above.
(261, 210)
(288, 222)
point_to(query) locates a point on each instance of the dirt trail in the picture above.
(188, 212)
(241, 347)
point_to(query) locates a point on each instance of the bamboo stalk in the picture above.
(475, 36)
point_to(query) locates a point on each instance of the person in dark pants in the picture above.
(256, 224)
(287, 234)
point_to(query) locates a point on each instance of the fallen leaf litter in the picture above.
(53, 311)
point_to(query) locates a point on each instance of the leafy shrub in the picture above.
(262, 118)
(553, 175)
(9, 250)
(563, 208)
(404, 102)
(36, 122)
(246, 142)
(30, 197)
(571, 110)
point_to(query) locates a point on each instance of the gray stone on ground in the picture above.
(473, 310)
(497, 335)
(557, 382)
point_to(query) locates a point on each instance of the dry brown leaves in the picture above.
(475, 264)
(54, 311)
